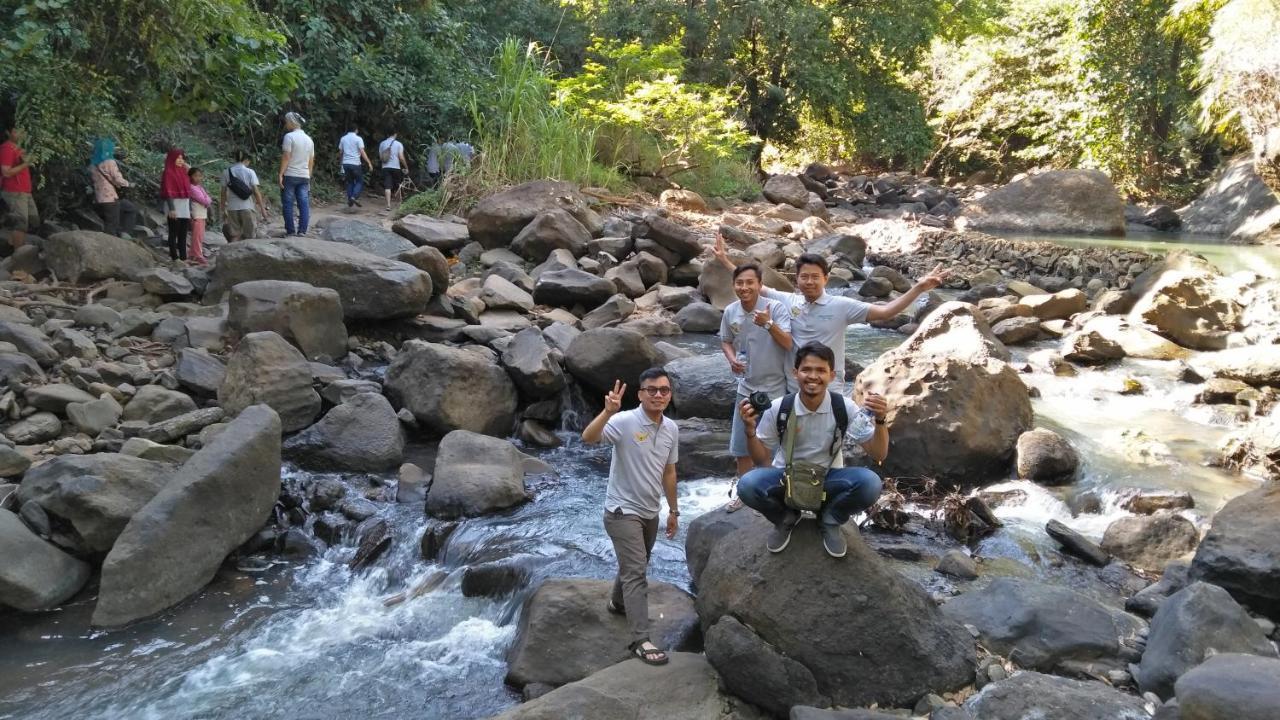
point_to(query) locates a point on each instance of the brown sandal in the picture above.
(652, 656)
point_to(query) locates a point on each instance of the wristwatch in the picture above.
(673, 512)
(882, 421)
(768, 324)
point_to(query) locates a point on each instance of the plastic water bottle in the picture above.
(742, 360)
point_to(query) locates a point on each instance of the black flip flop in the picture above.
(649, 657)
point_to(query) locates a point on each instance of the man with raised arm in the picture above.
(808, 428)
(817, 316)
(643, 468)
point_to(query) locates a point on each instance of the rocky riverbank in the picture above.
(148, 409)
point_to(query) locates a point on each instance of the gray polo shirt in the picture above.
(767, 361)
(642, 450)
(815, 432)
(823, 320)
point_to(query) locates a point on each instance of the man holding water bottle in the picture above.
(755, 335)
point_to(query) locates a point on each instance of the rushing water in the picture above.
(315, 640)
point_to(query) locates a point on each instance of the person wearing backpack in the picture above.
(807, 473)
(394, 165)
(240, 196)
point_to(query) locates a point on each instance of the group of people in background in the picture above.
(354, 160)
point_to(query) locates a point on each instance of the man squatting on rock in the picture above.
(820, 419)
(642, 469)
(814, 316)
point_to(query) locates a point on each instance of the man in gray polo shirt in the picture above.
(643, 468)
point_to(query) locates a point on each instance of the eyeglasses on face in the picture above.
(652, 391)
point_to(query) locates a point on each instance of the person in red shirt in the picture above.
(15, 188)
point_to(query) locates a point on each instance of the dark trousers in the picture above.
(633, 538)
(117, 216)
(355, 181)
(849, 490)
(178, 229)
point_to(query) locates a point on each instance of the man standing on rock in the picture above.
(755, 336)
(818, 317)
(812, 428)
(642, 469)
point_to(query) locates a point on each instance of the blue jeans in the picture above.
(849, 490)
(296, 190)
(355, 181)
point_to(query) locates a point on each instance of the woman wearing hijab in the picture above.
(175, 190)
(107, 181)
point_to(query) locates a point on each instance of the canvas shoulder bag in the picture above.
(803, 482)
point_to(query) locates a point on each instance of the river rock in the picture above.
(569, 287)
(1236, 203)
(215, 502)
(1029, 695)
(530, 363)
(786, 189)
(84, 257)
(35, 575)
(496, 220)
(449, 388)
(54, 398)
(544, 653)
(1058, 201)
(95, 416)
(369, 238)
(690, 690)
(704, 448)
(1040, 627)
(12, 464)
(1133, 340)
(1149, 542)
(674, 237)
(369, 287)
(265, 369)
(956, 407)
(1045, 457)
(906, 646)
(154, 403)
(499, 293)
(1058, 306)
(1090, 347)
(1256, 364)
(597, 358)
(550, 230)
(699, 317)
(703, 387)
(762, 675)
(34, 429)
(199, 372)
(1017, 330)
(423, 230)
(30, 342)
(475, 474)
(19, 367)
(1230, 686)
(1239, 552)
(1255, 448)
(362, 434)
(430, 261)
(1077, 544)
(1261, 318)
(1194, 309)
(612, 312)
(176, 428)
(705, 532)
(1192, 624)
(308, 316)
(95, 494)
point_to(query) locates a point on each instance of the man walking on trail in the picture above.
(240, 199)
(817, 317)
(15, 188)
(394, 165)
(296, 164)
(808, 428)
(755, 336)
(351, 148)
(642, 470)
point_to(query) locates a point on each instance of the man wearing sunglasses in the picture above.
(641, 470)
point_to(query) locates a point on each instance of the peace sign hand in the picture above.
(936, 277)
(613, 400)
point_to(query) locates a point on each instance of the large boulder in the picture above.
(551, 230)
(1237, 203)
(1255, 448)
(496, 220)
(32, 344)
(1133, 339)
(703, 386)
(566, 633)
(1029, 695)
(265, 369)
(1230, 686)
(369, 238)
(448, 388)
(1239, 552)
(422, 230)
(1058, 306)
(597, 358)
(570, 287)
(82, 256)
(532, 365)
(686, 688)
(362, 434)
(706, 530)
(787, 190)
(95, 494)
(217, 500)
(1256, 364)
(35, 575)
(1150, 542)
(155, 403)
(1194, 309)
(1045, 457)
(1192, 624)
(673, 236)
(956, 408)
(808, 610)
(369, 287)
(1040, 626)
(1059, 201)
(309, 316)
(475, 474)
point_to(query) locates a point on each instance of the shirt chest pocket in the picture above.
(662, 448)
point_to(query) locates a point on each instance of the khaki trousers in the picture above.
(633, 538)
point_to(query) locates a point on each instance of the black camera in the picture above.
(759, 402)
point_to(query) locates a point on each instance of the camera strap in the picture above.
(785, 426)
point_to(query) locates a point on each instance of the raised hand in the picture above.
(876, 403)
(613, 400)
(936, 277)
(721, 251)
(761, 317)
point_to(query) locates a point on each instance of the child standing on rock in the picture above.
(200, 202)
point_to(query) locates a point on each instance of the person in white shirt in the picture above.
(817, 316)
(394, 165)
(818, 440)
(351, 150)
(646, 446)
(297, 161)
(239, 222)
